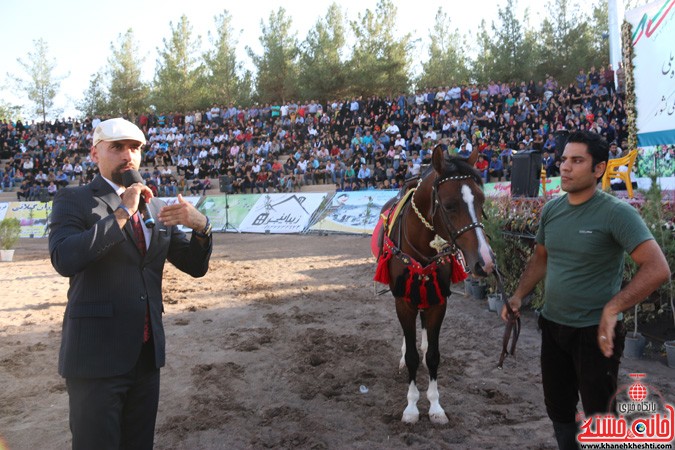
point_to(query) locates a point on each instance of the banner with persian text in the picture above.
(282, 213)
(32, 217)
(654, 71)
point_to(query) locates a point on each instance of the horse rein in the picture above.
(512, 327)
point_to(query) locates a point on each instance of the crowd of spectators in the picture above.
(353, 144)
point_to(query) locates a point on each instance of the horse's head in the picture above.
(457, 207)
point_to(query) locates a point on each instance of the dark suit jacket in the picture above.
(111, 284)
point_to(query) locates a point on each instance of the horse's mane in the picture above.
(456, 166)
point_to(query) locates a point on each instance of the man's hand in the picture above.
(606, 331)
(514, 303)
(130, 200)
(653, 271)
(183, 213)
(132, 196)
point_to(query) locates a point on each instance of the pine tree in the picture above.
(128, 94)
(178, 70)
(322, 70)
(277, 76)
(42, 85)
(95, 101)
(224, 79)
(380, 63)
(447, 63)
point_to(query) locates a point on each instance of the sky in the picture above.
(79, 33)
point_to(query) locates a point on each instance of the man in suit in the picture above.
(113, 340)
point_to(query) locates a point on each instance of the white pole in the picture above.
(615, 18)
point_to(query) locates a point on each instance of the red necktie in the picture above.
(138, 233)
(140, 244)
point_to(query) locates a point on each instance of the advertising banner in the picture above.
(353, 212)
(504, 188)
(3, 210)
(654, 71)
(226, 212)
(282, 213)
(32, 216)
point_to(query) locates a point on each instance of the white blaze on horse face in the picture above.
(483, 246)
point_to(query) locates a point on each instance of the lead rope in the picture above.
(512, 327)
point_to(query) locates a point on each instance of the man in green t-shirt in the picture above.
(579, 252)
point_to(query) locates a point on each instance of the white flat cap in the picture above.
(117, 129)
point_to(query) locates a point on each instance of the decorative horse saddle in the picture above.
(418, 284)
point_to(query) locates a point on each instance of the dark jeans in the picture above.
(572, 364)
(117, 412)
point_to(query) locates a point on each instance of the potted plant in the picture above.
(479, 289)
(495, 302)
(670, 353)
(511, 226)
(635, 343)
(9, 235)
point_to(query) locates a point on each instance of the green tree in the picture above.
(178, 70)
(222, 81)
(380, 64)
(509, 50)
(599, 33)
(447, 61)
(41, 85)
(277, 67)
(95, 100)
(569, 42)
(322, 69)
(9, 112)
(128, 94)
(483, 64)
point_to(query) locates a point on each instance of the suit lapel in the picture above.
(155, 231)
(105, 192)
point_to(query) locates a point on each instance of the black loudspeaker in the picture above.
(560, 137)
(525, 174)
(223, 187)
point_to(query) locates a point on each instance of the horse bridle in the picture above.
(437, 205)
(512, 328)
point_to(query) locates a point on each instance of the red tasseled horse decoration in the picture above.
(418, 284)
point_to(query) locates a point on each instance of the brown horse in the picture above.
(446, 201)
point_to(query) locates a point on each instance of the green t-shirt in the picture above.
(586, 245)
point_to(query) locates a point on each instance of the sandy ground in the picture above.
(269, 350)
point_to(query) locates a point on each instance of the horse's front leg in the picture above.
(433, 320)
(406, 316)
(423, 346)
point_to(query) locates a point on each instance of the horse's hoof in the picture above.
(410, 418)
(439, 418)
(401, 364)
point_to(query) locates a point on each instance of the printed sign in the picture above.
(282, 213)
(353, 212)
(226, 212)
(32, 216)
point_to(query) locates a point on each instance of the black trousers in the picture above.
(118, 412)
(572, 364)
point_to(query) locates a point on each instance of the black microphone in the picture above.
(130, 177)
